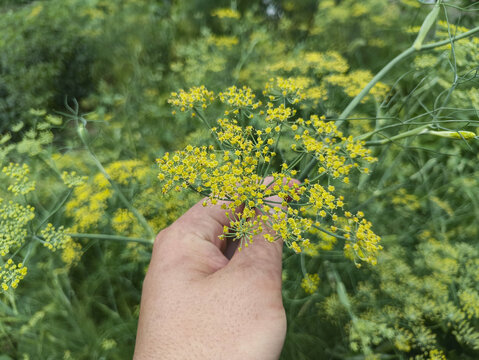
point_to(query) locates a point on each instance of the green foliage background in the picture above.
(120, 60)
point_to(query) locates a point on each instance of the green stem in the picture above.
(329, 233)
(412, 132)
(352, 105)
(274, 150)
(111, 237)
(243, 59)
(355, 102)
(309, 166)
(344, 300)
(448, 41)
(197, 112)
(54, 211)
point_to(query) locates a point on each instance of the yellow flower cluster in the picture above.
(317, 93)
(321, 63)
(355, 81)
(122, 220)
(408, 201)
(366, 245)
(311, 64)
(71, 179)
(194, 97)
(240, 173)
(71, 253)
(436, 355)
(231, 175)
(455, 29)
(226, 13)
(239, 98)
(19, 174)
(336, 154)
(291, 89)
(310, 283)
(88, 203)
(125, 171)
(11, 274)
(359, 9)
(328, 62)
(14, 219)
(434, 282)
(424, 61)
(90, 200)
(159, 209)
(58, 239)
(54, 239)
(287, 65)
(125, 223)
(278, 114)
(223, 41)
(469, 300)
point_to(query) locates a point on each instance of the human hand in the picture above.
(198, 304)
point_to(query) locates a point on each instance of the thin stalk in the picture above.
(417, 131)
(304, 174)
(448, 41)
(197, 112)
(275, 149)
(355, 102)
(110, 237)
(296, 161)
(329, 233)
(243, 59)
(54, 211)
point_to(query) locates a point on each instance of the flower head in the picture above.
(245, 171)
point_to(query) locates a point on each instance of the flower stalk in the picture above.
(406, 53)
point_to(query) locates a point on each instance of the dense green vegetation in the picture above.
(84, 114)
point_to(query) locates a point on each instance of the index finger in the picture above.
(205, 222)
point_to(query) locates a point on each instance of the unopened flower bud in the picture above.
(460, 135)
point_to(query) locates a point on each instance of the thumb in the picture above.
(192, 244)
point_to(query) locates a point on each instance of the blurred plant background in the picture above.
(115, 63)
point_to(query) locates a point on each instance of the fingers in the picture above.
(204, 222)
(191, 245)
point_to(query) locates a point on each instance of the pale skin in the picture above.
(198, 304)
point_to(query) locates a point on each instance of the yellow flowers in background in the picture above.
(16, 227)
(58, 239)
(90, 199)
(71, 179)
(226, 13)
(15, 219)
(11, 274)
(310, 283)
(355, 81)
(19, 174)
